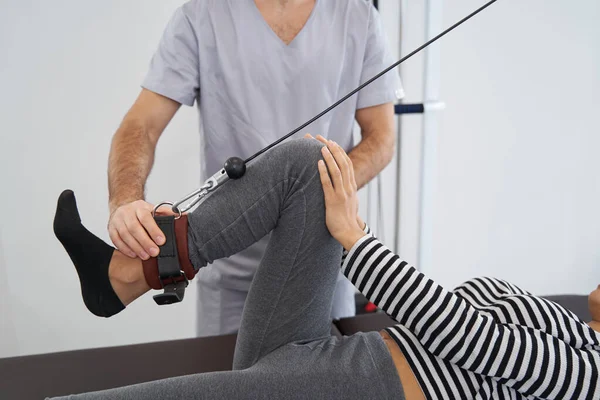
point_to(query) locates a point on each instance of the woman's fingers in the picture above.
(342, 162)
(352, 177)
(321, 139)
(325, 180)
(334, 171)
(341, 158)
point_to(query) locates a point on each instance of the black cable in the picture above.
(346, 97)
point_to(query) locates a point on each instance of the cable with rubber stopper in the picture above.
(235, 167)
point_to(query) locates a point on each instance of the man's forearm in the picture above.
(130, 161)
(371, 156)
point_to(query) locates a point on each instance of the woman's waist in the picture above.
(410, 385)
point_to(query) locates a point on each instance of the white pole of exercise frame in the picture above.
(431, 89)
(398, 187)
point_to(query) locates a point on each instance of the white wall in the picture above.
(9, 337)
(69, 70)
(518, 192)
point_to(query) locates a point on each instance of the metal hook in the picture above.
(209, 185)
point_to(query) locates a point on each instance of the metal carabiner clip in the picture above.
(209, 185)
(234, 168)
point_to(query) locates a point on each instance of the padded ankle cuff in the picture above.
(150, 266)
(181, 235)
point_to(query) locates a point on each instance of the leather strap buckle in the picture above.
(173, 292)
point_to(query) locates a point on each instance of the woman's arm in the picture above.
(445, 324)
(368, 232)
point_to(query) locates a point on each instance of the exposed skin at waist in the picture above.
(410, 385)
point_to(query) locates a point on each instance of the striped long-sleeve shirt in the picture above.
(487, 339)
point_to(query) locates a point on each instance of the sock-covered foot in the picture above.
(90, 255)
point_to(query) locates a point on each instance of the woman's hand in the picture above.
(341, 201)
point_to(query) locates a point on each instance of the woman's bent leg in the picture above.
(291, 294)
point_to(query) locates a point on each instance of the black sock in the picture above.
(90, 255)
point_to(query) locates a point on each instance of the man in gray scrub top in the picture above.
(256, 70)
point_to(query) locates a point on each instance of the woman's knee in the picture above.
(301, 152)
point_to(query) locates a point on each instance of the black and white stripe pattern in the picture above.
(486, 340)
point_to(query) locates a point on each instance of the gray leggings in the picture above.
(284, 348)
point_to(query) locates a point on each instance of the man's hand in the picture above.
(131, 226)
(133, 230)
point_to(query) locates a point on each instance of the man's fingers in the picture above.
(125, 231)
(151, 227)
(129, 241)
(141, 236)
(120, 244)
(334, 171)
(308, 136)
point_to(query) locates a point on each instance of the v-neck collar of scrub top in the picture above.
(299, 36)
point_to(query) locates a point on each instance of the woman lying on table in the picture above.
(486, 339)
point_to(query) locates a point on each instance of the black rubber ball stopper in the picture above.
(235, 167)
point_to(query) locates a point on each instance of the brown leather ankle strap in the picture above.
(150, 266)
(181, 234)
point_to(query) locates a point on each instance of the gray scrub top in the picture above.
(251, 88)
